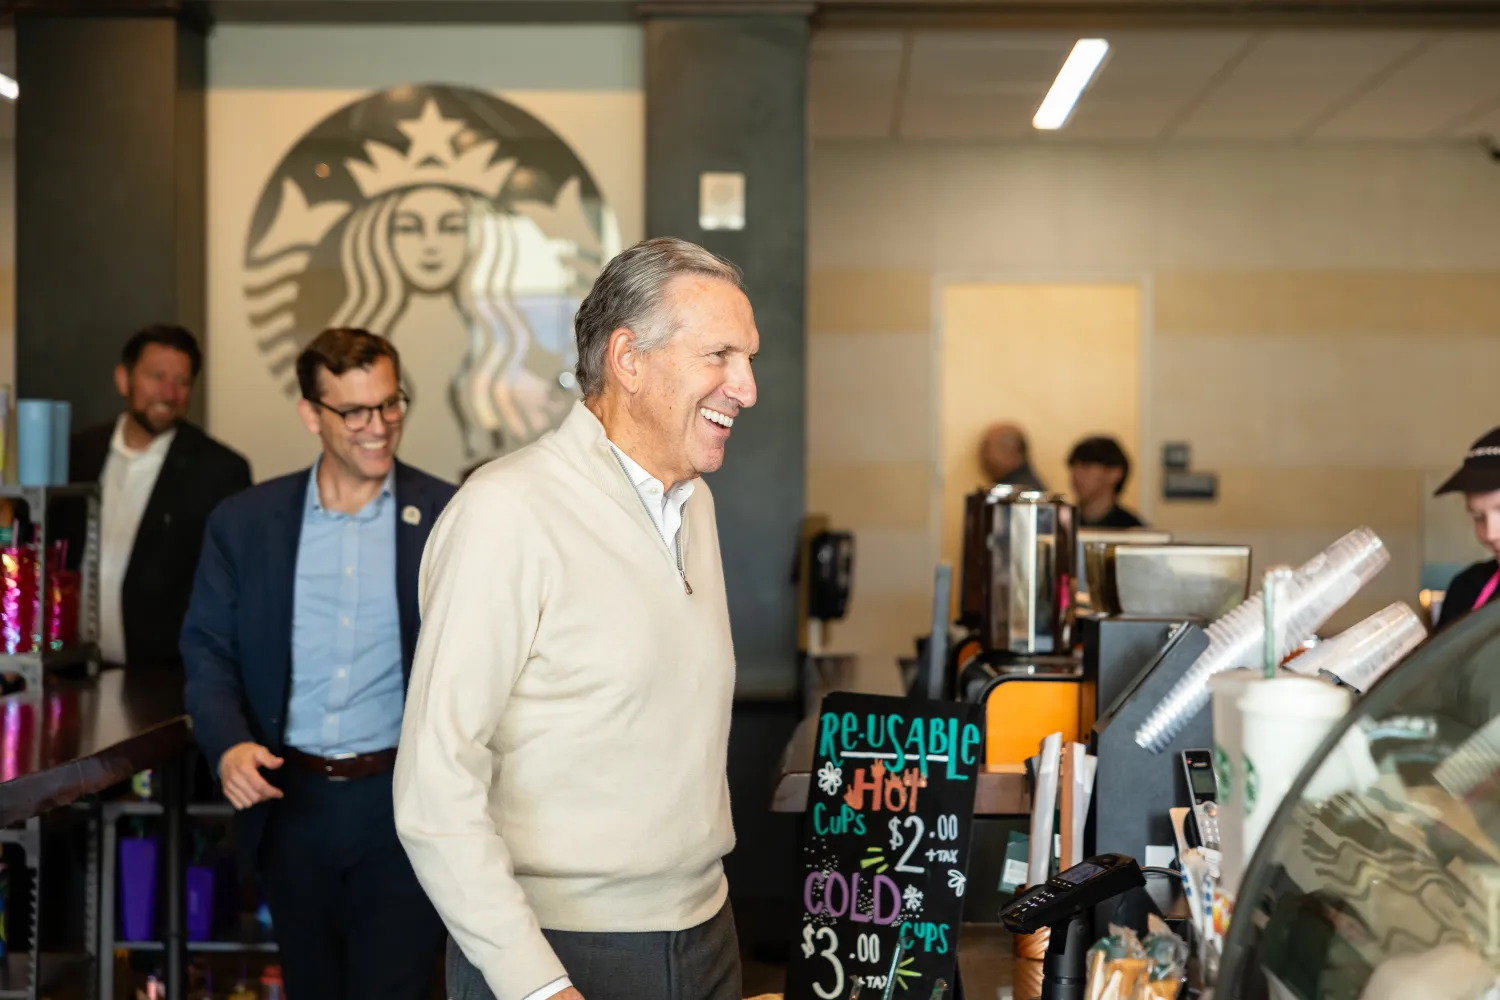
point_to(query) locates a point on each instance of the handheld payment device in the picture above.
(1203, 786)
(1061, 904)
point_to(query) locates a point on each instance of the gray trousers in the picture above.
(700, 963)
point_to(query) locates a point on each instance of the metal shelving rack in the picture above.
(174, 942)
(32, 667)
(28, 838)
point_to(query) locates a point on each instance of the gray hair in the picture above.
(629, 293)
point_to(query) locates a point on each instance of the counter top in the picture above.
(1002, 790)
(94, 732)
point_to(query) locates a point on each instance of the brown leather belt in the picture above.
(343, 768)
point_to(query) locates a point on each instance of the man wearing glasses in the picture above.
(298, 645)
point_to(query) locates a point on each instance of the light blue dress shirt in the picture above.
(347, 686)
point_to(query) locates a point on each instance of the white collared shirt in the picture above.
(664, 505)
(128, 479)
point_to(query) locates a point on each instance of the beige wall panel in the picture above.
(869, 300)
(872, 494)
(1359, 303)
(1330, 500)
(999, 210)
(869, 398)
(1380, 401)
(879, 630)
(891, 562)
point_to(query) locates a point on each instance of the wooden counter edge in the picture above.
(42, 791)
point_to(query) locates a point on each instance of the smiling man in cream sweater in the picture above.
(560, 786)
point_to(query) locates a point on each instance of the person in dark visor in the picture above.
(1478, 479)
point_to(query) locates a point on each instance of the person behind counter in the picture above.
(297, 647)
(1099, 470)
(1004, 455)
(561, 786)
(161, 476)
(1478, 479)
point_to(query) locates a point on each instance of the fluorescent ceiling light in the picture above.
(1071, 80)
(9, 89)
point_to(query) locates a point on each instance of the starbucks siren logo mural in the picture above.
(455, 224)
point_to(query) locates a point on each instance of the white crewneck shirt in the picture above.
(128, 479)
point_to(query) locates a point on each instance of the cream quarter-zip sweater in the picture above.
(562, 756)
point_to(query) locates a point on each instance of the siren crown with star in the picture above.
(430, 159)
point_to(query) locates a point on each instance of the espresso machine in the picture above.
(1018, 571)
(1015, 655)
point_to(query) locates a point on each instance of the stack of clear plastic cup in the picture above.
(1319, 588)
(1361, 655)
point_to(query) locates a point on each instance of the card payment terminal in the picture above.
(1062, 903)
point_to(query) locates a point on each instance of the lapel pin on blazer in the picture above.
(411, 515)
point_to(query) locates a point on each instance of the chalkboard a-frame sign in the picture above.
(885, 851)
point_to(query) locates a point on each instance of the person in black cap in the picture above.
(1478, 479)
(1099, 469)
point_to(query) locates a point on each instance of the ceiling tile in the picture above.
(1289, 81)
(1146, 82)
(852, 82)
(1442, 85)
(1486, 124)
(978, 85)
(979, 63)
(967, 116)
(1203, 84)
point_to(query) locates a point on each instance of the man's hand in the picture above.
(568, 994)
(239, 772)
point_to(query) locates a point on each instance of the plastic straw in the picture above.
(1274, 588)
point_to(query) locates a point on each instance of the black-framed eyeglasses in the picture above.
(357, 418)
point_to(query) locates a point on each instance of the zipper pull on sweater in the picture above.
(682, 570)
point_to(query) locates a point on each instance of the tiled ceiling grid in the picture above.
(1387, 85)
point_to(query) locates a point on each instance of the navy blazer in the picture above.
(237, 638)
(196, 474)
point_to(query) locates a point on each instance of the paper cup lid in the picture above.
(1300, 697)
(1238, 678)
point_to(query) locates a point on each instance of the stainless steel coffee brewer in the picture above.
(1018, 574)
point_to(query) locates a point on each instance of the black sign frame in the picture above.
(885, 846)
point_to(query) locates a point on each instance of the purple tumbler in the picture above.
(200, 902)
(138, 863)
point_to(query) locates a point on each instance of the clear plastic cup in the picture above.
(1360, 655)
(1319, 588)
